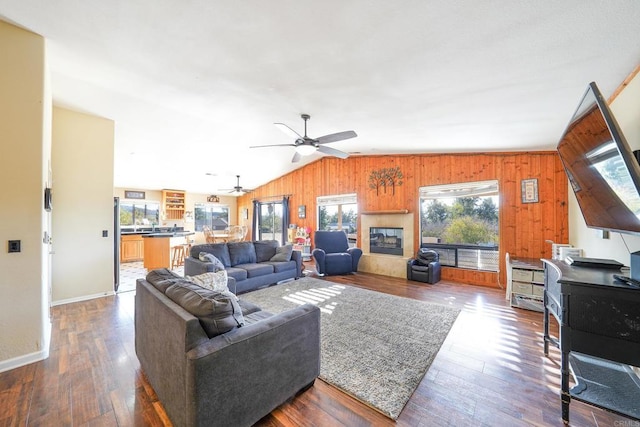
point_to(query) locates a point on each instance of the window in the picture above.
(216, 217)
(270, 221)
(339, 213)
(139, 213)
(460, 222)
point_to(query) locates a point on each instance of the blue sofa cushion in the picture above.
(338, 263)
(219, 250)
(241, 253)
(255, 270)
(265, 249)
(331, 241)
(237, 273)
(279, 267)
(217, 312)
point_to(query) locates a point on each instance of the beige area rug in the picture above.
(375, 347)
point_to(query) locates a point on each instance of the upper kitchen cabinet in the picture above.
(173, 203)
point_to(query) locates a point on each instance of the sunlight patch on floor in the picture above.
(316, 296)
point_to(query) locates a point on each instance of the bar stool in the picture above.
(177, 256)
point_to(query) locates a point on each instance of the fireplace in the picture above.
(385, 240)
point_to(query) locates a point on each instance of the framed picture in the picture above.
(302, 211)
(530, 190)
(213, 199)
(245, 213)
(134, 195)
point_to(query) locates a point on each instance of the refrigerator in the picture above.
(116, 243)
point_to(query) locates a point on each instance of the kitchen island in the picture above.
(157, 247)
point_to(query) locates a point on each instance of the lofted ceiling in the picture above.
(192, 84)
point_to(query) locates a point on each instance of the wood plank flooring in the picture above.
(490, 371)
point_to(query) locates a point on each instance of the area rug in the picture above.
(375, 347)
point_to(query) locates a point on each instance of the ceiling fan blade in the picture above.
(296, 157)
(273, 145)
(336, 137)
(332, 152)
(286, 129)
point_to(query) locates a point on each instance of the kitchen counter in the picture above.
(169, 234)
(157, 247)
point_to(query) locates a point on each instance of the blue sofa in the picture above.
(249, 263)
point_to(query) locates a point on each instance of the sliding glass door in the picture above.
(270, 222)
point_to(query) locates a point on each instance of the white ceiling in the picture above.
(192, 84)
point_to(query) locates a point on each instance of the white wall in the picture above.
(82, 163)
(25, 101)
(626, 109)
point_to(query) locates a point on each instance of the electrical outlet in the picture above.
(105, 233)
(14, 246)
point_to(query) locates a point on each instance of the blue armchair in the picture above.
(333, 254)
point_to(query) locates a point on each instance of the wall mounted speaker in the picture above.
(47, 199)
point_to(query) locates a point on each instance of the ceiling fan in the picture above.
(305, 145)
(237, 190)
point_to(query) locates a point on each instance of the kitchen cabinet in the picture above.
(173, 203)
(131, 248)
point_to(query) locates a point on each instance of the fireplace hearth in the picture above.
(386, 240)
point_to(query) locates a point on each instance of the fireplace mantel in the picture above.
(390, 212)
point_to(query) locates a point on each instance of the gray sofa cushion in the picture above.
(265, 249)
(248, 307)
(219, 250)
(241, 253)
(207, 257)
(283, 254)
(162, 278)
(217, 312)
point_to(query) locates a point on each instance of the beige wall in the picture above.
(82, 163)
(626, 109)
(24, 158)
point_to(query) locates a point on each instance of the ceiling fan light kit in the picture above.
(305, 150)
(305, 145)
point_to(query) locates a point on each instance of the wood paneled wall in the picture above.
(524, 227)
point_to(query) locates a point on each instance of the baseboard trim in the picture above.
(82, 298)
(16, 362)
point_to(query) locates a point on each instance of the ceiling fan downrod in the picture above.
(305, 117)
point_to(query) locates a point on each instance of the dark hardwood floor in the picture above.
(490, 371)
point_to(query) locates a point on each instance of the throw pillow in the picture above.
(216, 281)
(207, 257)
(217, 312)
(265, 249)
(283, 254)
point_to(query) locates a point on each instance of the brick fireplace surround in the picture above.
(387, 265)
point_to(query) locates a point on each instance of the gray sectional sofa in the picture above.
(251, 264)
(207, 377)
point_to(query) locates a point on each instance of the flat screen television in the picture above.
(601, 167)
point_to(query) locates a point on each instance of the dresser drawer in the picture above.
(522, 288)
(538, 276)
(538, 290)
(522, 275)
